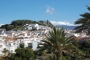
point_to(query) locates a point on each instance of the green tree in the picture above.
(24, 54)
(84, 21)
(85, 46)
(20, 54)
(56, 43)
(21, 45)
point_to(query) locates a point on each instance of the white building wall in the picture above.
(2, 47)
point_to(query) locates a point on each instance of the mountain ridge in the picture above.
(65, 27)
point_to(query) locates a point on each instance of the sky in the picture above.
(56, 11)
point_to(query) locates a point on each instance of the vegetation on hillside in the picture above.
(21, 54)
(19, 24)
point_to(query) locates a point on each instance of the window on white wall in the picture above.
(14, 43)
(30, 45)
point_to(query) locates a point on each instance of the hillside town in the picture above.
(11, 40)
(44, 29)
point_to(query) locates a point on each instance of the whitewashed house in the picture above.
(13, 39)
(2, 45)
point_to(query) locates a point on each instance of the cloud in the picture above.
(50, 10)
(1, 25)
(62, 23)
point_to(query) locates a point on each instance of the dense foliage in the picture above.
(16, 25)
(19, 24)
(24, 54)
(58, 45)
(84, 21)
(21, 54)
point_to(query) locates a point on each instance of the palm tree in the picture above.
(56, 43)
(84, 21)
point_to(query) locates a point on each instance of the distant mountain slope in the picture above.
(65, 27)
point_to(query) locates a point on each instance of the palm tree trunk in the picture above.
(58, 55)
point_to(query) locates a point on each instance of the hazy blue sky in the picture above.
(60, 11)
